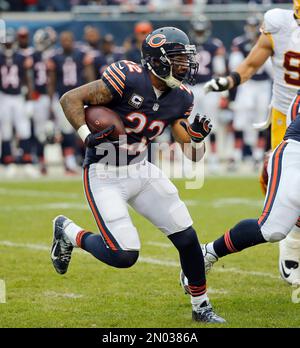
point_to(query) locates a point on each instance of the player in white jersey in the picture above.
(279, 40)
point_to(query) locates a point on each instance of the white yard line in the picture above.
(37, 193)
(225, 202)
(161, 245)
(61, 294)
(142, 259)
(48, 206)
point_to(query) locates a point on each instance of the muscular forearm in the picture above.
(73, 108)
(72, 102)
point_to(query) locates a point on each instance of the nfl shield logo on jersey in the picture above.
(155, 107)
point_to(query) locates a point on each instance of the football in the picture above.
(99, 118)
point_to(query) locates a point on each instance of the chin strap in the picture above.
(170, 81)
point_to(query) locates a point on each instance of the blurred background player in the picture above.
(252, 98)
(44, 40)
(23, 40)
(279, 40)
(110, 50)
(66, 71)
(134, 44)
(211, 59)
(107, 54)
(14, 73)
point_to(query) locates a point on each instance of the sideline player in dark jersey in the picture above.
(281, 208)
(43, 44)
(14, 69)
(252, 98)
(211, 59)
(66, 71)
(147, 98)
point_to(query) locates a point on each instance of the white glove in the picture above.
(218, 84)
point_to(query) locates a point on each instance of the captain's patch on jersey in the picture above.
(136, 101)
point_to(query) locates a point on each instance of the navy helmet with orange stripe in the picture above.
(168, 54)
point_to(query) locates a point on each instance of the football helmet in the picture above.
(252, 27)
(297, 8)
(43, 39)
(10, 42)
(168, 54)
(201, 30)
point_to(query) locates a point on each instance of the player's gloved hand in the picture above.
(94, 139)
(218, 84)
(199, 129)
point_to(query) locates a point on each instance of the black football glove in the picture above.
(94, 139)
(199, 129)
(218, 84)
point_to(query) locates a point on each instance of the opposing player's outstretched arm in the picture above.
(72, 102)
(256, 58)
(182, 137)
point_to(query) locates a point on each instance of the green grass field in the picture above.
(244, 288)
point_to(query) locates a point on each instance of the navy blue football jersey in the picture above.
(144, 115)
(100, 64)
(293, 130)
(69, 70)
(205, 55)
(39, 72)
(244, 45)
(12, 73)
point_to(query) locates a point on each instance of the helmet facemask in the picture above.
(174, 66)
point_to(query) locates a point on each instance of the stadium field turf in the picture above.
(244, 288)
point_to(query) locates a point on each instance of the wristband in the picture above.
(83, 131)
(236, 77)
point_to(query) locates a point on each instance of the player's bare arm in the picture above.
(255, 59)
(183, 138)
(72, 102)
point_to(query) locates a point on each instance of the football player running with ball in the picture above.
(148, 98)
(279, 40)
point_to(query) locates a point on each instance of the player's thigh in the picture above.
(21, 120)
(62, 122)
(262, 101)
(282, 203)
(199, 97)
(159, 202)
(110, 210)
(278, 127)
(211, 108)
(6, 118)
(41, 113)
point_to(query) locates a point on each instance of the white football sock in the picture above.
(71, 231)
(198, 300)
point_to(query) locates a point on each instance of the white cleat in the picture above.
(289, 260)
(11, 171)
(31, 171)
(209, 258)
(184, 283)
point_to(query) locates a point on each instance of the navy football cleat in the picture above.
(204, 313)
(61, 246)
